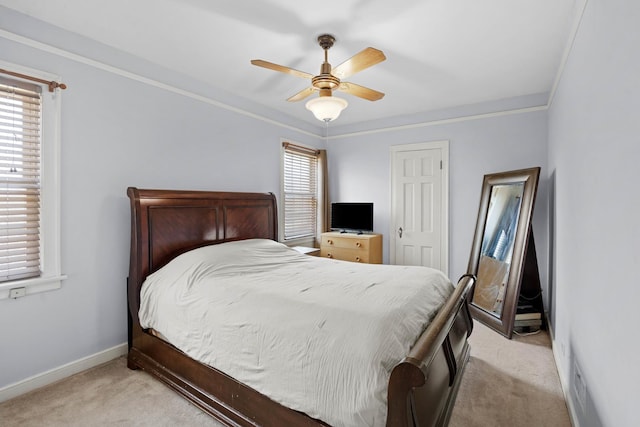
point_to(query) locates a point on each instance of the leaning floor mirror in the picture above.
(502, 247)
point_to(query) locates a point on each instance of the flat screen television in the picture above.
(353, 217)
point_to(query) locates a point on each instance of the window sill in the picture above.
(32, 286)
(301, 241)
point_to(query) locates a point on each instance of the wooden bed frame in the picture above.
(165, 223)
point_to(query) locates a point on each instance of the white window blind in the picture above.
(20, 123)
(300, 191)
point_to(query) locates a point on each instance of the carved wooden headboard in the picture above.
(166, 223)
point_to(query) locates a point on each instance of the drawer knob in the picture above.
(357, 259)
(358, 244)
(330, 242)
(329, 256)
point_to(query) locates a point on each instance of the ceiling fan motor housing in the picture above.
(325, 81)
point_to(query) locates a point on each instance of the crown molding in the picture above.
(146, 80)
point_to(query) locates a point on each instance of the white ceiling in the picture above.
(440, 53)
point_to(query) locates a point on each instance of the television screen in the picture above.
(352, 216)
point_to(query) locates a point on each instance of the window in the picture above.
(29, 185)
(20, 108)
(300, 193)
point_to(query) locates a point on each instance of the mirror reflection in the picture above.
(497, 247)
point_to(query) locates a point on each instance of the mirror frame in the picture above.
(504, 323)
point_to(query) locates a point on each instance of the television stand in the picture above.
(366, 248)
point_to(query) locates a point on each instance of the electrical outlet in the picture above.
(579, 386)
(17, 292)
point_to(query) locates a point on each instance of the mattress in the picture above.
(316, 335)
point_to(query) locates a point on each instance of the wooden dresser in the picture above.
(365, 248)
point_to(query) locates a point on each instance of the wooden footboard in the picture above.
(423, 386)
(164, 224)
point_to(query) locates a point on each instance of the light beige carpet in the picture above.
(506, 383)
(510, 383)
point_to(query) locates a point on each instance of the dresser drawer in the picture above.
(352, 247)
(345, 242)
(345, 254)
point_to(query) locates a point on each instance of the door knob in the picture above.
(400, 232)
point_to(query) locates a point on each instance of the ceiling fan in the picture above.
(328, 107)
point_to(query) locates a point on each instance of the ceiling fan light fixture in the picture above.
(326, 108)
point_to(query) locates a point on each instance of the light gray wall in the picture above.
(118, 132)
(594, 150)
(360, 170)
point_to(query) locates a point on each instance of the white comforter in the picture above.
(316, 335)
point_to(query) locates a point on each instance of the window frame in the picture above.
(308, 241)
(51, 276)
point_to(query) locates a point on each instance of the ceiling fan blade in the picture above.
(282, 69)
(360, 91)
(358, 62)
(302, 94)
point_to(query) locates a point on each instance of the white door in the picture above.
(419, 205)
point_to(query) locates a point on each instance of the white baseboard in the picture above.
(56, 374)
(565, 387)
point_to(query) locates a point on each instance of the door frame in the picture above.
(444, 208)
